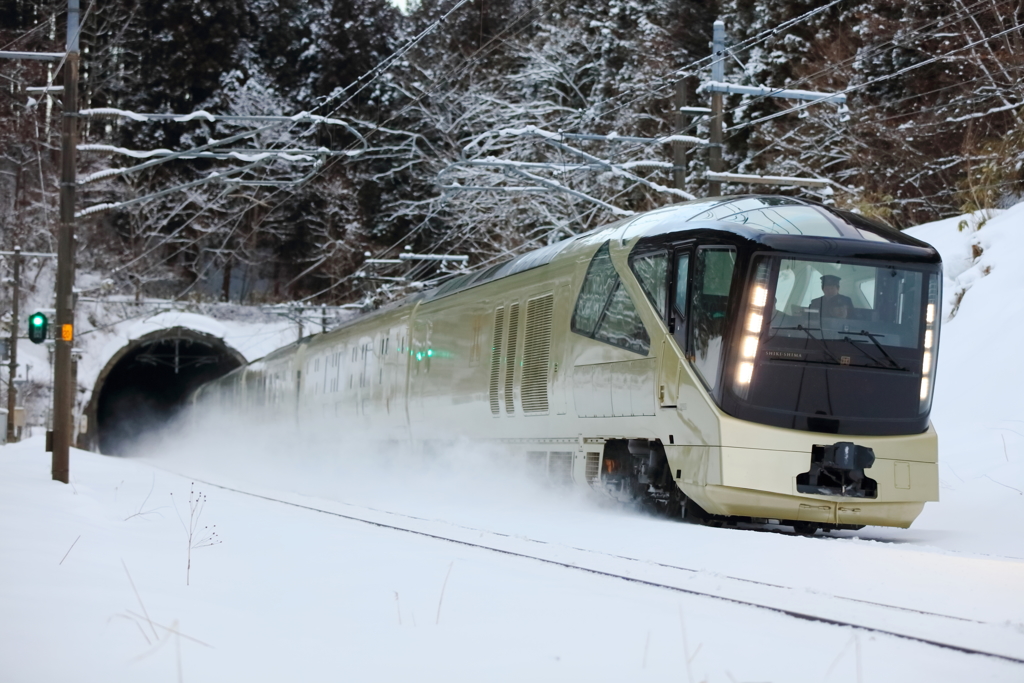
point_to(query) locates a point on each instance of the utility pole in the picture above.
(717, 75)
(684, 114)
(679, 160)
(718, 89)
(63, 392)
(12, 393)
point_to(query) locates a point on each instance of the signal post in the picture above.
(63, 392)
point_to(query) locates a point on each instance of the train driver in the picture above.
(832, 304)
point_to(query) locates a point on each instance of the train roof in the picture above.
(775, 221)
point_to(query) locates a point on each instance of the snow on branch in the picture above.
(534, 131)
(99, 112)
(515, 168)
(202, 115)
(213, 177)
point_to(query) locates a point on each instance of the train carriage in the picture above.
(734, 359)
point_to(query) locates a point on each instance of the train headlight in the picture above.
(929, 354)
(754, 318)
(746, 371)
(749, 347)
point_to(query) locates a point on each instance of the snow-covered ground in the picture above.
(93, 577)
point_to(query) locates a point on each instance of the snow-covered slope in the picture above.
(979, 392)
(92, 577)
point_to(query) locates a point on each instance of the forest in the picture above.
(325, 138)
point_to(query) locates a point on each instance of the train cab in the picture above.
(835, 334)
(809, 337)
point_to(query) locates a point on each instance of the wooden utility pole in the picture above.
(63, 392)
(679, 156)
(717, 113)
(12, 393)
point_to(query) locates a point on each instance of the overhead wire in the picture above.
(755, 40)
(370, 76)
(874, 50)
(916, 36)
(468, 64)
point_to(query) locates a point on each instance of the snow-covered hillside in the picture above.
(979, 402)
(93, 578)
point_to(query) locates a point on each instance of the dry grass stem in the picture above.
(197, 538)
(437, 620)
(140, 512)
(139, 598)
(68, 552)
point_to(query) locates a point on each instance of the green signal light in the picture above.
(37, 325)
(430, 352)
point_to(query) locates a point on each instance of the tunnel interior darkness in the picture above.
(150, 383)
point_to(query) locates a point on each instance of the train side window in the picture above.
(652, 272)
(621, 325)
(604, 310)
(709, 304)
(601, 278)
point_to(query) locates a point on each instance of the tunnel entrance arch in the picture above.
(148, 380)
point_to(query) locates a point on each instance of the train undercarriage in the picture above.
(637, 471)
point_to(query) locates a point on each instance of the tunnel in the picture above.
(148, 381)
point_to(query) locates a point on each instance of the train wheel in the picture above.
(674, 505)
(805, 528)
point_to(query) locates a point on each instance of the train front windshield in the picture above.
(831, 347)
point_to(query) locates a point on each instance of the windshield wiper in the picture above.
(820, 340)
(874, 340)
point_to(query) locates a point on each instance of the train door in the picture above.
(420, 356)
(396, 363)
(657, 271)
(672, 354)
(680, 285)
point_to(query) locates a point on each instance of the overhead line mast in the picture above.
(63, 391)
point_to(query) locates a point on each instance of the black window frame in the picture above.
(647, 253)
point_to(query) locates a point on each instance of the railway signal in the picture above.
(37, 328)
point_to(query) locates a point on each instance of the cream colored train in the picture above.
(739, 359)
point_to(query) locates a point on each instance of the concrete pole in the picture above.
(717, 114)
(12, 393)
(63, 392)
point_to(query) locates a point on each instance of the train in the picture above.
(750, 359)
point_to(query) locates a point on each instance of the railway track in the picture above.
(945, 631)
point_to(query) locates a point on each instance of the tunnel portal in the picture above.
(148, 382)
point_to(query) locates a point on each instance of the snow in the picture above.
(979, 408)
(161, 321)
(113, 112)
(332, 590)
